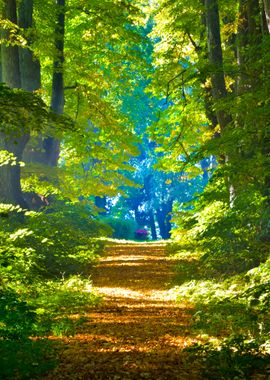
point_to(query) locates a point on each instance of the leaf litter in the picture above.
(138, 331)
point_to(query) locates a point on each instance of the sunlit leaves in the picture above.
(7, 158)
(11, 34)
(19, 108)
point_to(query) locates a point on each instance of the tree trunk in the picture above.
(10, 186)
(267, 13)
(148, 184)
(30, 73)
(249, 38)
(242, 42)
(216, 59)
(29, 64)
(164, 219)
(51, 144)
(152, 225)
(219, 90)
(10, 176)
(161, 223)
(266, 142)
(10, 54)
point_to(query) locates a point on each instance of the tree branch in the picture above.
(71, 87)
(196, 47)
(170, 81)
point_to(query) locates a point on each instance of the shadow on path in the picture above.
(138, 332)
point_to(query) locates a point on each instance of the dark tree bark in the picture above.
(207, 94)
(152, 225)
(51, 144)
(26, 67)
(208, 104)
(29, 64)
(10, 54)
(249, 38)
(249, 53)
(216, 59)
(14, 142)
(148, 185)
(219, 90)
(30, 75)
(164, 219)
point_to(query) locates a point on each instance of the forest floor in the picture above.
(138, 331)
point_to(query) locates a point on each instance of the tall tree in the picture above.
(52, 144)
(29, 63)
(15, 140)
(216, 59)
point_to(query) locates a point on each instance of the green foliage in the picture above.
(7, 158)
(101, 48)
(25, 360)
(64, 296)
(232, 239)
(110, 64)
(42, 309)
(231, 314)
(19, 107)
(122, 228)
(45, 266)
(61, 241)
(235, 358)
(20, 356)
(17, 318)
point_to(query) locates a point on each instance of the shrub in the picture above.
(237, 357)
(121, 229)
(45, 261)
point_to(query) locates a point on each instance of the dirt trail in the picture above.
(138, 332)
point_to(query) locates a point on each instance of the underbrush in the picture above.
(121, 228)
(223, 271)
(45, 266)
(231, 317)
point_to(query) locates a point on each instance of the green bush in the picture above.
(48, 244)
(223, 270)
(21, 357)
(26, 360)
(232, 311)
(235, 358)
(121, 229)
(45, 262)
(17, 318)
(231, 239)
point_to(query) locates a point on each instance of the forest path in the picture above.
(138, 332)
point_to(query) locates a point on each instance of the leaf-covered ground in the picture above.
(138, 331)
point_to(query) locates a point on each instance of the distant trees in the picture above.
(151, 202)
